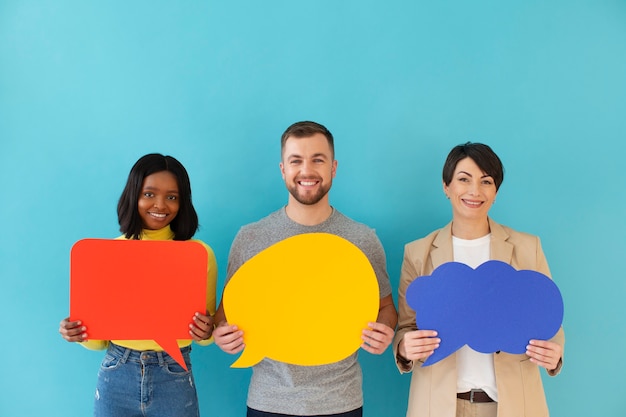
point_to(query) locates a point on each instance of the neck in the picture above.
(470, 230)
(308, 215)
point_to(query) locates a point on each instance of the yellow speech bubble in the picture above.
(304, 301)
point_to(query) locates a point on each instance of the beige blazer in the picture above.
(433, 388)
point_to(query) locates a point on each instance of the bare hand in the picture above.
(545, 354)
(201, 327)
(376, 338)
(228, 338)
(72, 331)
(418, 344)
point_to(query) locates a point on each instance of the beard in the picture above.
(308, 198)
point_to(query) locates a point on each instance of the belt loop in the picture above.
(472, 392)
(475, 396)
(160, 356)
(125, 355)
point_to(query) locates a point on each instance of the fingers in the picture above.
(72, 331)
(377, 338)
(228, 338)
(202, 327)
(544, 353)
(419, 344)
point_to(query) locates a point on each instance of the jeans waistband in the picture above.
(144, 356)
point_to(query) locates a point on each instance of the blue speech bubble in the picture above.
(491, 308)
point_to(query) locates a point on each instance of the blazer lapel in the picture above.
(501, 249)
(442, 247)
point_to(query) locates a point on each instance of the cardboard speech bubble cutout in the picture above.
(492, 308)
(304, 301)
(138, 289)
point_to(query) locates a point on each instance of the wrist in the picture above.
(404, 363)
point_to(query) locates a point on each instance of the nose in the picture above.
(158, 203)
(306, 166)
(473, 188)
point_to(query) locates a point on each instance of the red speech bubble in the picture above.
(138, 289)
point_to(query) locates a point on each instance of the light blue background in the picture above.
(88, 87)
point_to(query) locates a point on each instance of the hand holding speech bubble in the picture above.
(138, 289)
(512, 307)
(304, 301)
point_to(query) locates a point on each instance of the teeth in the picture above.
(307, 183)
(159, 215)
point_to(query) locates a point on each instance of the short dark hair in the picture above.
(304, 130)
(483, 155)
(184, 224)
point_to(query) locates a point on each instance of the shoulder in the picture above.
(254, 237)
(426, 242)
(262, 225)
(500, 231)
(341, 220)
(359, 234)
(204, 245)
(522, 250)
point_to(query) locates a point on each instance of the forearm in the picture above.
(406, 315)
(387, 313)
(220, 316)
(560, 339)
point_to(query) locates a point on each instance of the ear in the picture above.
(445, 189)
(282, 170)
(333, 170)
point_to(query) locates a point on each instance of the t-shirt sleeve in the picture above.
(376, 255)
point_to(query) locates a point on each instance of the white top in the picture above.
(475, 370)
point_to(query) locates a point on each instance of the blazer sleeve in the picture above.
(559, 337)
(412, 268)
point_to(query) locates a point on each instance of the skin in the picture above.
(308, 168)
(472, 193)
(158, 205)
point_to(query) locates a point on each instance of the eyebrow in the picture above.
(468, 174)
(149, 188)
(315, 155)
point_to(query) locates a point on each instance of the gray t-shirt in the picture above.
(279, 387)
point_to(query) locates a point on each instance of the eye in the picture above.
(464, 179)
(319, 161)
(295, 161)
(148, 194)
(172, 197)
(487, 182)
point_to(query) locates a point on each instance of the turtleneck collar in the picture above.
(160, 234)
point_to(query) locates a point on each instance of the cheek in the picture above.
(142, 204)
(287, 173)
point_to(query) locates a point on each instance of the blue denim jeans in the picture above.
(133, 383)
(256, 413)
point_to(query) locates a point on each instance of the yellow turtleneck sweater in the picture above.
(167, 234)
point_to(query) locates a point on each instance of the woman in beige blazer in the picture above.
(468, 383)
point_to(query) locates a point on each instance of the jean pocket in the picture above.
(172, 367)
(110, 362)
